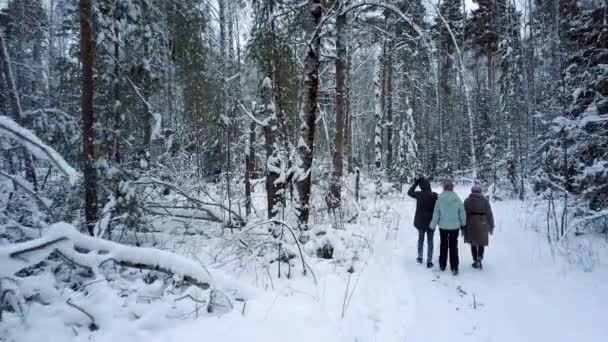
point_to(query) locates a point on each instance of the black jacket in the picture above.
(425, 204)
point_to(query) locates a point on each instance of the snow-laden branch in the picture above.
(251, 116)
(65, 239)
(13, 130)
(102, 225)
(343, 10)
(603, 214)
(387, 6)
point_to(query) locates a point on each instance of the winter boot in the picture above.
(419, 260)
(477, 264)
(455, 272)
(429, 264)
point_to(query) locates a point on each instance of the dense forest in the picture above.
(267, 116)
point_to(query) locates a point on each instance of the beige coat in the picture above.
(480, 221)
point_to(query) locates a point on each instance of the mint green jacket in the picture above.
(449, 212)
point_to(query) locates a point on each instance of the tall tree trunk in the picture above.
(15, 101)
(348, 126)
(335, 188)
(116, 106)
(88, 116)
(249, 167)
(3, 89)
(490, 67)
(37, 82)
(308, 116)
(274, 163)
(10, 79)
(388, 102)
(378, 137)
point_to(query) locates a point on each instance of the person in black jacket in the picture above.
(425, 204)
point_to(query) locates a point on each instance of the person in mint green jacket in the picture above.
(450, 216)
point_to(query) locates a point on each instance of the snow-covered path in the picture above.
(523, 293)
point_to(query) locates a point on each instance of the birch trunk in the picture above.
(378, 137)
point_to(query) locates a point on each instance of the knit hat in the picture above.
(448, 185)
(476, 189)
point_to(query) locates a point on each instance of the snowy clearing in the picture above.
(526, 292)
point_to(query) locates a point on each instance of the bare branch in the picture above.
(20, 183)
(92, 326)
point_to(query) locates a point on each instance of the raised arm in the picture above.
(412, 191)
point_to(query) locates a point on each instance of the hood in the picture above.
(425, 185)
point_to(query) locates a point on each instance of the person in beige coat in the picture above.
(480, 224)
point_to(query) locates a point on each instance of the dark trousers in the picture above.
(477, 252)
(429, 238)
(448, 244)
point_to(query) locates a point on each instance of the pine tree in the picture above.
(449, 105)
(409, 163)
(88, 115)
(513, 111)
(415, 88)
(576, 159)
(308, 117)
(483, 34)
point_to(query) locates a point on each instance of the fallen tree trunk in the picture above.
(65, 239)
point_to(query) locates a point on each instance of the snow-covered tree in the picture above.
(308, 115)
(513, 116)
(275, 168)
(409, 164)
(576, 158)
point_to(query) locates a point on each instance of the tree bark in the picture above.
(335, 189)
(388, 101)
(116, 106)
(88, 116)
(378, 136)
(348, 135)
(308, 117)
(274, 163)
(249, 167)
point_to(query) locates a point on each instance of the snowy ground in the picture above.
(526, 292)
